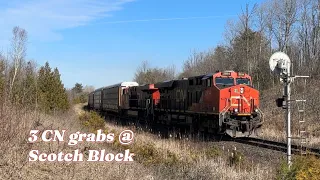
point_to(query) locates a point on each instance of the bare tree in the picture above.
(221, 58)
(246, 20)
(18, 53)
(141, 71)
(199, 63)
(147, 75)
(2, 80)
(282, 14)
(88, 89)
(310, 35)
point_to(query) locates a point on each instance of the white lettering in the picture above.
(128, 155)
(44, 135)
(100, 136)
(93, 154)
(33, 155)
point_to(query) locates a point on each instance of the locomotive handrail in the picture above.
(261, 114)
(222, 113)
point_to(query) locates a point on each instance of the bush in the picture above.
(171, 159)
(148, 154)
(302, 168)
(212, 152)
(80, 99)
(92, 120)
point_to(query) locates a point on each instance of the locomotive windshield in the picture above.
(224, 81)
(245, 81)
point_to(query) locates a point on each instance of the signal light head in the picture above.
(279, 102)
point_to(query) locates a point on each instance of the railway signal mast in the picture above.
(280, 63)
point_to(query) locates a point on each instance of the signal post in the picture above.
(280, 63)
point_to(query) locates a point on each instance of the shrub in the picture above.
(302, 168)
(148, 154)
(92, 120)
(212, 152)
(80, 99)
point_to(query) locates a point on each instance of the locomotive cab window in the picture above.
(224, 81)
(245, 81)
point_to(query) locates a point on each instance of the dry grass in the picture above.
(274, 127)
(14, 161)
(187, 162)
(195, 163)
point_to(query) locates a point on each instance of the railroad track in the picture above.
(278, 146)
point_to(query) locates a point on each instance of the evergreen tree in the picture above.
(30, 86)
(52, 94)
(249, 53)
(61, 100)
(43, 87)
(78, 88)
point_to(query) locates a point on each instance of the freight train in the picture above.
(217, 103)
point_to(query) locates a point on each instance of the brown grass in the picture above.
(168, 159)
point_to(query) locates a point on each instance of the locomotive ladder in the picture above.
(301, 105)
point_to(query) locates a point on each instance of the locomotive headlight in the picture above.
(256, 110)
(241, 90)
(235, 110)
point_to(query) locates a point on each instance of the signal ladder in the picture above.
(302, 131)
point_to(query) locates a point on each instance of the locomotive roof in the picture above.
(164, 84)
(208, 76)
(199, 76)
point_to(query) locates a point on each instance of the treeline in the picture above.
(290, 26)
(23, 85)
(79, 94)
(146, 74)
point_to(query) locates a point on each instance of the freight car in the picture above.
(216, 103)
(110, 99)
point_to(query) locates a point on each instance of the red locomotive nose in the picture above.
(240, 99)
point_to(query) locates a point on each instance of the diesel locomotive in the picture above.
(217, 103)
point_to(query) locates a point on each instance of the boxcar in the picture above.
(112, 96)
(90, 100)
(97, 99)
